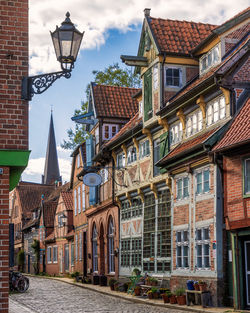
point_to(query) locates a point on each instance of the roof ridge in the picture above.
(182, 21)
(104, 85)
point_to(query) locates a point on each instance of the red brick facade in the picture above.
(13, 111)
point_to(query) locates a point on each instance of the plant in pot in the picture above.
(137, 290)
(180, 296)
(202, 285)
(196, 286)
(166, 296)
(125, 287)
(112, 282)
(154, 292)
(153, 281)
(116, 286)
(172, 299)
(150, 295)
(190, 284)
(148, 280)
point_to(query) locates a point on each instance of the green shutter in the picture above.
(147, 95)
(163, 148)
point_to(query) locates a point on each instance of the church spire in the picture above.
(51, 168)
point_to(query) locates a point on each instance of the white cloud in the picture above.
(97, 16)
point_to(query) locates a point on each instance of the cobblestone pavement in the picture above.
(50, 296)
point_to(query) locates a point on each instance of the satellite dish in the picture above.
(92, 179)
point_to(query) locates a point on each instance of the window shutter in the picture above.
(147, 95)
(89, 150)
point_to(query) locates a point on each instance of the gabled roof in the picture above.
(238, 132)
(49, 211)
(178, 37)
(114, 101)
(67, 199)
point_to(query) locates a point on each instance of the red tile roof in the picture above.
(187, 145)
(115, 101)
(49, 210)
(178, 36)
(67, 199)
(51, 237)
(239, 131)
(126, 128)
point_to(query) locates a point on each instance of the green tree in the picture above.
(112, 75)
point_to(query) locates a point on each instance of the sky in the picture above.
(112, 28)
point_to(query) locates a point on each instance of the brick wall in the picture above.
(243, 74)
(13, 112)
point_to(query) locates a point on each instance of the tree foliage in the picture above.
(112, 75)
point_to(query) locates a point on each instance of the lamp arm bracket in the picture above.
(38, 84)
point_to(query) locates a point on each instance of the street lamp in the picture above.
(67, 40)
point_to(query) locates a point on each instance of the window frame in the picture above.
(205, 57)
(104, 175)
(144, 147)
(94, 250)
(83, 198)
(79, 199)
(172, 133)
(246, 193)
(55, 254)
(182, 244)
(155, 77)
(133, 157)
(180, 77)
(121, 159)
(202, 242)
(75, 201)
(202, 183)
(49, 255)
(197, 114)
(210, 107)
(111, 253)
(76, 247)
(182, 195)
(110, 131)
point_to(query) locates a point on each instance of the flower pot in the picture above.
(196, 287)
(181, 300)
(173, 300)
(150, 295)
(165, 298)
(203, 287)
(155, 295)
(103, 280)
(190, 285)
(112, 287)
(137, 291)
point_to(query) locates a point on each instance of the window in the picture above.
(210, 59)
(97, 135)
(202, 242)
(55, 254)
(111, 246)
(79, 199)
(104, 175)
(202, 181)
(140, 107)
(129, 211)
(49, 256)
(175, 133)
(94, 249)
(147, 95)
(121, 160)
(144, 149)
(78, 160)
(194, 123)
(72, 253)
(109, 130)
(60, 221)
(75, 201)
(76, 247)
(182, 188)
(131, 155)
(182, 246)
(155, 77)
(83, 198)
(216, 110)
(247, 176)
(131, 251)
(80, 246)
(173, 77)
(156, 156)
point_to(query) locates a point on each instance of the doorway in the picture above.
(85, 254)
(247, 270)
(102, 260)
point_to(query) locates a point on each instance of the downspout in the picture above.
(162, 81)
(237, 266)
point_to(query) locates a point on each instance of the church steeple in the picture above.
(51, 168)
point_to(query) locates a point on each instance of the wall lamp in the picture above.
(67, 40)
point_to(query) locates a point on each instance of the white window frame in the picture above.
(202, 172)
(55, 254)
(97, 135)
(94, 250)
(76, 247)
(72, 259)
(111, 255)
(131, 156)
(79, 199)
(204, 60)
(176, 133)
(83, 198)
(182, 244)
(194, 123)
(246, 174)
(212, 111)
(202, 242)
(183, 187)
(121, 160)
(144, 149)
(104, 175)
(80, 246)
(75, 201)
(155, 77)
(110, 133)
(49, 255)
(180, 76)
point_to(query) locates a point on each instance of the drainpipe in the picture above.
(162, 81)
(238, 268)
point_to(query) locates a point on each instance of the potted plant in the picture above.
(190, 284)
(116, 286)
(202, 285)
(180, 296)
(153, 281)
(137, 290)
(136, 272)
(112, 282)
(125, 287)
(196, 286)
(150, 295)
(172, 299)
(166, 296)
(154, 292)
(148, 279)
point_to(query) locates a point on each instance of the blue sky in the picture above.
(111, 29)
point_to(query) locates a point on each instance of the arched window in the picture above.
(94, 249)
(111, 246)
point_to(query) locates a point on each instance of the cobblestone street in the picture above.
(50, 296)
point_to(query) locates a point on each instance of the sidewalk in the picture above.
(129, 297)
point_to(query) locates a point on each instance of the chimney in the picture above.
(147, 12)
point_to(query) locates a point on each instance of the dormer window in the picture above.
(194, 123)
(109, 130)
(210, 59)
(176, 133)
(216, 110)
(173, 77)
